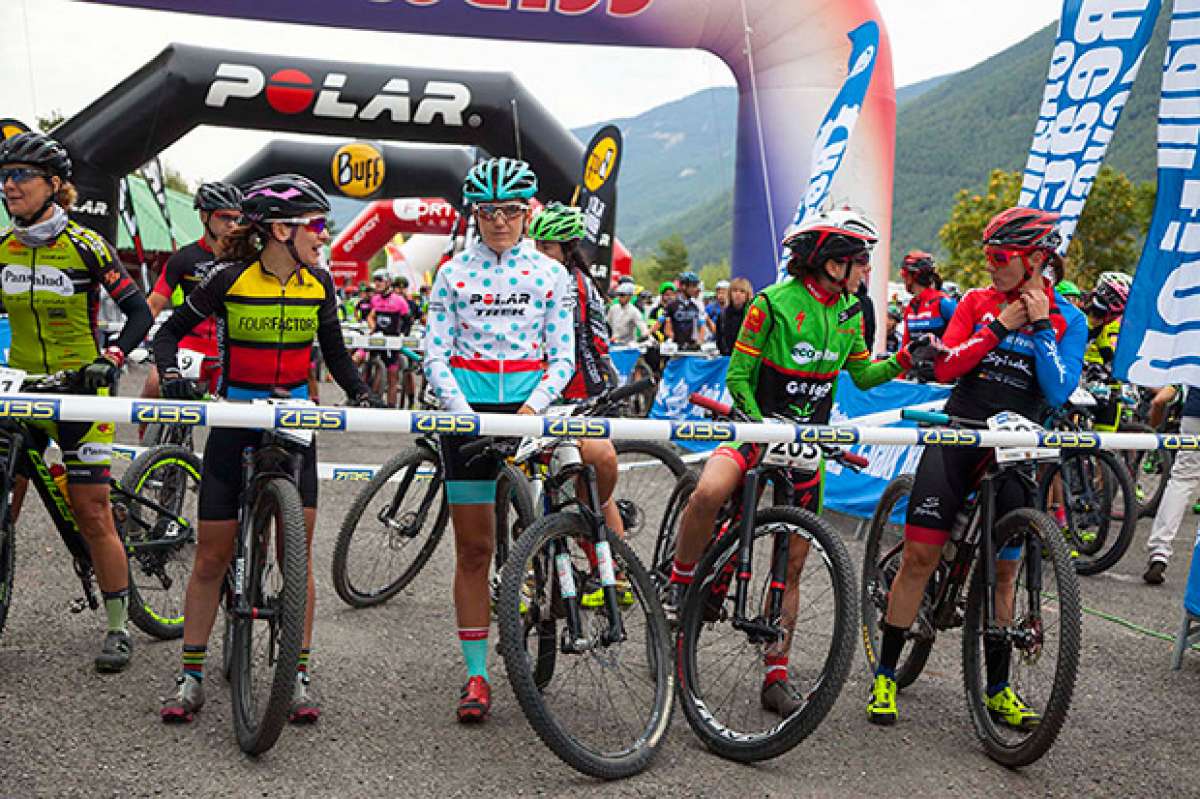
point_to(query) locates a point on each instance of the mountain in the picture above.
(906, 94)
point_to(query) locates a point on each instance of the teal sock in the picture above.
(116, 607)
(475, 650)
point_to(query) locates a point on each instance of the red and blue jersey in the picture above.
(928, 312)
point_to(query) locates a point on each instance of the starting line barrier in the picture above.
(48, 407)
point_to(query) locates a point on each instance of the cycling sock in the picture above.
(475, 650)
(682, 572)
(889, 650)
(116, 607)
(777, 669)
(998, 654)
(193, 660)
(302, 666)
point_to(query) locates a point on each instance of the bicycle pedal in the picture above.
(77, 605)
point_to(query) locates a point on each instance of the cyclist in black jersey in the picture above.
(271, 300)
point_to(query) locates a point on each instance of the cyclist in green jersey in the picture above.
(796, 337)
(51, 274)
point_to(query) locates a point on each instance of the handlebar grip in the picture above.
(476, 447)
(855, 460)
(710, 404)
(924, 417)
(630, 390)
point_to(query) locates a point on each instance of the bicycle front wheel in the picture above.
(647, 473)
(608, 705)
(8, 540)
(722, 668)
(157, 519)
(1037, 632)
(1149, 469)
(269, 630)
(391, 529)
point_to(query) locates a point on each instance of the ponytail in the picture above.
(243, 243)
(66, 196)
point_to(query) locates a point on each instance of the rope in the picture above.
(758, 124)
(29, 56)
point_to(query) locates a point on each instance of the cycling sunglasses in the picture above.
(20, 174)
(862, 259)
(315, 224)
(227, 216)
(998, 257)
(490, 211)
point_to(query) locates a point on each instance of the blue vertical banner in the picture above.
(681, 378)
(833, 136)
(1160, 334)
(1095, 60)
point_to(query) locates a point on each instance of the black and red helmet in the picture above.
(918, 261)
(1024, 228)
(837, 233)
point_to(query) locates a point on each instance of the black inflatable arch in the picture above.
(186, 86)
(408, 170)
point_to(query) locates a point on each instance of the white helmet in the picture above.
(625, 288)
(381, 274)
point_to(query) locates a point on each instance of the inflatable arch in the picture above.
(788, 56)
(186, 86)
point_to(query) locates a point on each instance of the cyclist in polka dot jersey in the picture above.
(500, 339)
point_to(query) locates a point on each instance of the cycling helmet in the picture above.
(838, 233)
(666, 286)
(1068, 289)
(952, 289)
(39, 150)
(283, 197)
(400, 282)
(918, 261)
(499, 179)
(722, 284)
(1111, 293)
(215, 196)
(380, 274)
(894, 312)
(557, 222)
(625, 288)
(363, 286)
(689, 279)
(1024, 228)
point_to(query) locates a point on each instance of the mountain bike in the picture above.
(743, 605)
(595, 683)
(163, 430)
(265, 592)
(395, 523)
(1045, 619)
(156, 537)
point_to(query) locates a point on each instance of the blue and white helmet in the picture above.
(499, 179)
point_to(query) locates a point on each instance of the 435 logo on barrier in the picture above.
(702, 431)
(42, 409)
(446, 424)
(155, 413)
(825, 435)
(310, 419)
(575, 427)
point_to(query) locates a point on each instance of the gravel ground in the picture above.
(389, 677)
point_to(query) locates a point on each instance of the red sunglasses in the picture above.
(862, 259)
(999, 257)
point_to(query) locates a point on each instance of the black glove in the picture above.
(369, 400)
(100, 373)
(173, 385)
(922, 350)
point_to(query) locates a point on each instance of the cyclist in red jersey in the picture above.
(930, 309)
(219, 205)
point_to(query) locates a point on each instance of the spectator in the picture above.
(730, 322)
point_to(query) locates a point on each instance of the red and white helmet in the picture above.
(1111, 294)
(837, 233)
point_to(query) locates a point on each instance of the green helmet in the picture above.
(666, 286)
(1068, 289)
(499, 179)
(557, 222)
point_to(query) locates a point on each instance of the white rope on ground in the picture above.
(48, 407)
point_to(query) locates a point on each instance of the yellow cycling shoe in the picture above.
(1006, 708)
(882, 707)
(595, 599)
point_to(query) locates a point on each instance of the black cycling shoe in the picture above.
(672, 602)
(116, 652)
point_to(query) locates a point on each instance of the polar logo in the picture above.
(92, 207)
(20, 279)
(291, 91)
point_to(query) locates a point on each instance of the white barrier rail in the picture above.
(49, 407)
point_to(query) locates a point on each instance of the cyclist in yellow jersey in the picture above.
(1104, 316)
(51, 273)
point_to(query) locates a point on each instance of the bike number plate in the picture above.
(11, 380)
(190, 363)
(1009, 422)
(804, 457)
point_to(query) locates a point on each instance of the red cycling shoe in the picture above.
(475, 701)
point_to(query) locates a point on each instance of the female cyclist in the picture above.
(271, 300)
(499, 340)
(51, 271)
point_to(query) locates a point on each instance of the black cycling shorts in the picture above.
(471, 481)
(945, 476)
(222, 482)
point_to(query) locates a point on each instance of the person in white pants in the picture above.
(1185, 476)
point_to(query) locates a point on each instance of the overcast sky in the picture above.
(80, 50)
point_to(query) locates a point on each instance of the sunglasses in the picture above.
(315, 224)
(20, 174)
(490, 211)
(862, 259)
(227, 216)
(1000, 258)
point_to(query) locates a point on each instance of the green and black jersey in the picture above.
(794, 341)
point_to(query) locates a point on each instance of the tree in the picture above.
(50, 121)
(175, 180)
(711, 273)
(672, 256)
(1108, 238)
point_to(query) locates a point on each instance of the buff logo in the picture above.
(291, 91)
(614, 8)
(358, 169)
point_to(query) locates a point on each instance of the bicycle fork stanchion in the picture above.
(574, 641)
(604, 561)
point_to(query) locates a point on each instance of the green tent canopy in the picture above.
(184, 220)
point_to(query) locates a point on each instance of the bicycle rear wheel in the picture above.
(1149, 469)
(661, 559)
(161, 544)
(391, 529)
(1100, 507)
(647, 473)
(8, 543)
(608, 707)
(268, 633)
(721, 669)
(1043, 639)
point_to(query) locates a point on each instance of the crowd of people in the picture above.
(252, 296)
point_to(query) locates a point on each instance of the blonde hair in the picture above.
(744, 285)
(66, 195)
